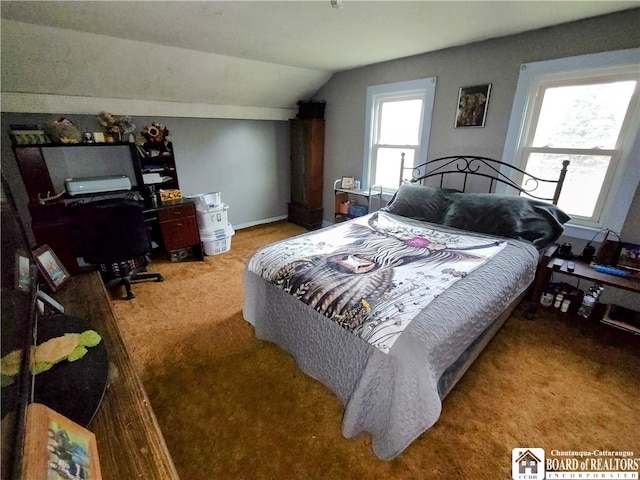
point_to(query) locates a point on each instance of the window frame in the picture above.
(412, 89)
(624, 174)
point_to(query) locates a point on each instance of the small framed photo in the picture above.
(23, 273)
(52, 270)
(472, 106)
(348, 183)
(58, 448)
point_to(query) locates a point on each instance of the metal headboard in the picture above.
(487, 168)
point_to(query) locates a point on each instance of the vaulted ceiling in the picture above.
(256, 54)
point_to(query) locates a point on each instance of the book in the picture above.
(57, 448)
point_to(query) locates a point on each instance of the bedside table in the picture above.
(581, 270)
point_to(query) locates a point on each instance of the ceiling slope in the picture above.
(248, 54)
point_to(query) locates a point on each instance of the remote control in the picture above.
(610, 270)
(557, 263)
(571, 266)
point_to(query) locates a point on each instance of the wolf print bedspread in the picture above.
(372, 275)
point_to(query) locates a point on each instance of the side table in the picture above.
(582, 270)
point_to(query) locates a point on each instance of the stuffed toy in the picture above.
(62, 131)
(155, 133)
(117, 126)
(70, 347)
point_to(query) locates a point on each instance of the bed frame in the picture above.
(494, 170)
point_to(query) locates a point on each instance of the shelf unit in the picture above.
(343, 194)
(51, 224)
(155, 159)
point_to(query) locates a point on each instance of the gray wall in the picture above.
(495, 61)
(246, 160)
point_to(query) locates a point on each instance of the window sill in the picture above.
(582, 232)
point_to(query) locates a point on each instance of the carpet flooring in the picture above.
(233, 407)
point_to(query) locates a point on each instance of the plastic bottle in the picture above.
(547, 298)
(559, 300)
(586, 308)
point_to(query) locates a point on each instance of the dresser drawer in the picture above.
(176, 212)
(180, 233)
(179, 226)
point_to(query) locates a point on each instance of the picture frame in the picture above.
(51, 268)
(473, 102)
(348, 183)
(58, 448)
(23, 273)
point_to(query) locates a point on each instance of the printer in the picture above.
(95, 185)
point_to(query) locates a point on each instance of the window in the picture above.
(584, 110)
(399, 120)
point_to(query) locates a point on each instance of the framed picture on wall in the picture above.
(472, 106)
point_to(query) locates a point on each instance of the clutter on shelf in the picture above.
(117, 126)
(62, 130)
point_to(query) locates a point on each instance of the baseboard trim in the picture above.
(240, 226)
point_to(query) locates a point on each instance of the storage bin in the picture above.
(217, 242)
(356, 210)
(214, 218)
(206, 201)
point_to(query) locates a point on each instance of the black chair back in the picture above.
(110, 231)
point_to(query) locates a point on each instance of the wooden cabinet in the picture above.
(130, 443)
(179, 226)
(307, 168)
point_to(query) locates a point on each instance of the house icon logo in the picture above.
(527, 464)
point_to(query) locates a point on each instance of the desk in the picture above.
(130, 443)
(51, 225)
(582, 270)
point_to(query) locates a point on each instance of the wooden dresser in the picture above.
(307, 168)
(130, 443)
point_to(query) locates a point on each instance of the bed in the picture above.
(389, 310)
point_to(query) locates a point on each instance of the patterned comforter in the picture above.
(382, 342)
(373, 275)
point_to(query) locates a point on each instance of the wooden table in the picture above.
(582, 270)
(130, 443)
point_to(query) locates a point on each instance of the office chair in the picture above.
(112, 235)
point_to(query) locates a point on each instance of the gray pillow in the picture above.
(427, 204)
(507, 216)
